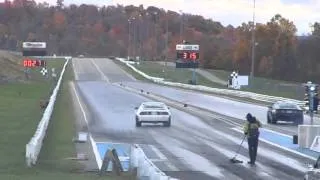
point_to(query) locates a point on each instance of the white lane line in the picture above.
(125, 72)
(93, 143)
(278, 146)
(275, 132)
(162, 157)
(74, 69)
(158, 152)
(104, 77)
(268, 172)
(158, 160)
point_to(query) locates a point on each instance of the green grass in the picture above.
(268, 86)
(173, 74)
(19, 116)
(260, 85)
(130, 71)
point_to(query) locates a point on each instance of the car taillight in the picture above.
(143, 113)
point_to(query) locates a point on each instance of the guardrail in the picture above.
(237, 93)
(34, 145)
(145, 168)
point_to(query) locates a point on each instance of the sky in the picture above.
(234, 12)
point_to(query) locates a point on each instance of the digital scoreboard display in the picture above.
(188, 55)
(33, 63)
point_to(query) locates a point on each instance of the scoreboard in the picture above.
(32, 63)
(187, 56)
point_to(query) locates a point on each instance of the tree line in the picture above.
(152, 33)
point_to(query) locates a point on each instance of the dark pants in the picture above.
(253, 147)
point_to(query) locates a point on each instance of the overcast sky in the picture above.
(234, 12)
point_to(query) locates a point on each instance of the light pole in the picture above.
(155, 33)
(167, 37)
(181, 24)
(139, 35)
(129, 39)
(166, 41)
(253, 44)
(134, 38)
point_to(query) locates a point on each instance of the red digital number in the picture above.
(193, 56)
(25, 63)
(29, 63)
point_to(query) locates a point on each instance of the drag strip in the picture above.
(194, 147)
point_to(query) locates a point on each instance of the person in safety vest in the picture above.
(251, 130)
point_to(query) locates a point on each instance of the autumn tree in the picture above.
(316, 29)
(101, 31)
(284, 47)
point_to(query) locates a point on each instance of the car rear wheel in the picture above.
(268, 119)
(273, 120)
(138, 123)
(168, 123)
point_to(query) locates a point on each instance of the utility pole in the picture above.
(167, 38)
(129, 39)
(139, 35)
(253, 42)
(181, 24)
(134, 38)
(155, 33)
(147, 33)
(166, 41)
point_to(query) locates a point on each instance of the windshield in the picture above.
(288, 106)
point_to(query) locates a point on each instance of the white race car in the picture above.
(153, 112)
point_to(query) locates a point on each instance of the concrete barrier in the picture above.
(307, 134)
(145, 168)
(315, 146)
(34, 145)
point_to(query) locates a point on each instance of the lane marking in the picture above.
(104, 77)
(262, 170)
(163, 158)
(93, 143)
(275, 132)
(74, 70)
(158, 152)
(125, 72)
(278, 146)
(158, 160)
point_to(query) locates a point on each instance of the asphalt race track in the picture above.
(191, 148)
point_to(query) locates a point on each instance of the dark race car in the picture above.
(285, 111)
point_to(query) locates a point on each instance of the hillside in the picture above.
(139, 31)
(11, 69)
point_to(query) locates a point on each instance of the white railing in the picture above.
(145, 168)
(34, 145)
(237, 93)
